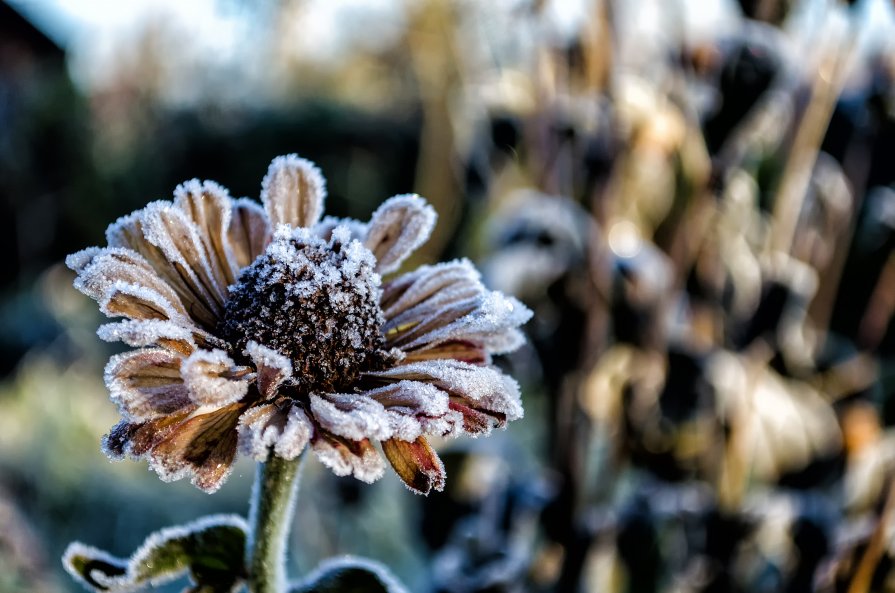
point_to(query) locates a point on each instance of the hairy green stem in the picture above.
(270, 516)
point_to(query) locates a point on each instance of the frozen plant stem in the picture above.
(273, 504)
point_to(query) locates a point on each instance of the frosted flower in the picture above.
(264, 329)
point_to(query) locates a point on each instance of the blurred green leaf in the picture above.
(211, 550)
(349, 575)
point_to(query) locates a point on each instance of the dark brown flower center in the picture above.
(315, 302)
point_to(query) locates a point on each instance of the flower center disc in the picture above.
(315, 302)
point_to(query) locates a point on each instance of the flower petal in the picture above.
(283, 427)
(397, 228)
(165, 237)
(202, 447)
(207, 204)
(417, 464)
(149, 332)
(414, 408)
(136, 439)
(213, 379)
(100, 270)
(346, 457)
(249, 231)
(479, 387)
(353, 416)
(273, 368)
(293, 192)
(434, 286)
(146, 384)
(490, 321)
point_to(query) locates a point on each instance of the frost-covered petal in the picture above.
(149, 332)
(474, 390)
(346, 457)
(249, 231)
(207, 204)
(170, 229)
(454, 349)
(430, 287)
(397, 228)
(414, 408)
(272, 368)
(169, 243)
(136, 439)
(293, 192)
(417, 464)
(283, 427)
(489, 320)
(146, 384)
(202, 447)
(213, 379)
(353, 416)
(101, 271)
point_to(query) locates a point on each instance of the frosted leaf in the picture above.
(484, 387)
(354, 417)
(345, 457)
(492, 323)
(400, 225)
(213, 378)
(207, 204)
(429, 288)
(286, 430)
(146, 384)
(210, 550)
(293, 192)
(249, 231)
(356, 229)
(148, 332)
(136, 232)
(273, 368)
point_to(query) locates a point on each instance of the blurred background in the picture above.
(696, 198)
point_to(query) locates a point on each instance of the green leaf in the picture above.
(349, 575)
(211, 551)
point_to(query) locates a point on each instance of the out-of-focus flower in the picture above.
(265, 328)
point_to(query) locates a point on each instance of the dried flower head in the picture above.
(267, 329)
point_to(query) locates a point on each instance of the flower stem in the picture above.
(273, 503)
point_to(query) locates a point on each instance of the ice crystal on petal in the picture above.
(273, 367)
(146, 384)
(344, 458)
(430, 287)
(208, 374)
(285, 431)
(492, 322)
(397, 228)
(296, 434)
(144, 332)
(354, 417)
(486, 387)
(293, 191)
